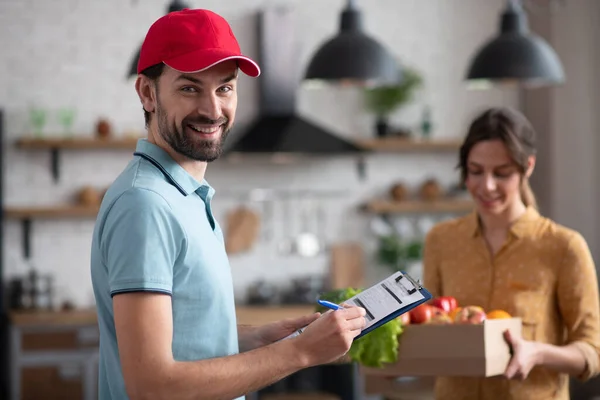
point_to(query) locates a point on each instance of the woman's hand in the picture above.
(525, 356)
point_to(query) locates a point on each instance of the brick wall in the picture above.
(70, 53)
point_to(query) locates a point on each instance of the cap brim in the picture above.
(202, 60)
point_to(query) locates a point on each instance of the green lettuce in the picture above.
(376, 348)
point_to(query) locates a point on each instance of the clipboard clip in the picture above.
(417, 284)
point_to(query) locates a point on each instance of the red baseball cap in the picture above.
(192, 41)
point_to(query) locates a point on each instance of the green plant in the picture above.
(383, 100)
(376, 348)
(393, 253)
(390, 251)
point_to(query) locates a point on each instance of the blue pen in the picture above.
(324, 303)
(329, 304)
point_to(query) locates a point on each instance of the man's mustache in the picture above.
(202, 120)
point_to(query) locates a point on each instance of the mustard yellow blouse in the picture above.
(543, 274)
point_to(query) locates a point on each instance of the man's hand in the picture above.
(329, 337)
(270, 333)
(524, 357)
(275, 331)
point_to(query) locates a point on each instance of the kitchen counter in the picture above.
(53, 318)
(57, 351)
(247, 315)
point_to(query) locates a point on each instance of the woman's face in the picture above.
(493, 178)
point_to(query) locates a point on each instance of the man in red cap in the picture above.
(160, 272)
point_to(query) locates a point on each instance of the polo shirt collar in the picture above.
(178, 176)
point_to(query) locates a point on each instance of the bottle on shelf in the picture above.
(426, 123)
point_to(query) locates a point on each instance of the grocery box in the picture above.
(453, 349)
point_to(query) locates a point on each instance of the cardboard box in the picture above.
(453, 350)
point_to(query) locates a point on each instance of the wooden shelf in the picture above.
(246, 315)
(409, 145)
(63, 211)
(27, 214)
(55, 145)
(78, 143)
(53, 318)
(375, 144)
(410, 206)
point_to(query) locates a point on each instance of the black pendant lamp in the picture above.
(516, 56)
(175, 5)
(352, 57)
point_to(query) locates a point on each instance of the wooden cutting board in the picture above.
(347, 266)
(243, 226)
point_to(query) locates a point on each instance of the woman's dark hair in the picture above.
(153, 73)
(517, 134)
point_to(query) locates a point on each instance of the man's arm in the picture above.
(144, 328)
(246, 337)
(251, 337)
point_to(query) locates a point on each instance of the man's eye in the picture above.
(475, 172)
(188, 89)
(224, 89)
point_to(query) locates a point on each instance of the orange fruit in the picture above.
(452, 314)
(498, 314)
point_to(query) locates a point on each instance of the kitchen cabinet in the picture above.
(53, 355)
(52, 382)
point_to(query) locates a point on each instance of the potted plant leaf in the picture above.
(379, 347)
(383, 100)
(398, 254)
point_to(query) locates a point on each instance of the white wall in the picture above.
(76, 53)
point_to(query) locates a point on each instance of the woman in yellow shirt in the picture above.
(506, 256)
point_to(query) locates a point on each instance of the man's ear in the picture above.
(146, 92)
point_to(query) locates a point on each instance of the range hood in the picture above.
(278, 128)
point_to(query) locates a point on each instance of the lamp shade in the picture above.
(353, 57)
(516, 55)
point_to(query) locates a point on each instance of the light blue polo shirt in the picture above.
(155, 232)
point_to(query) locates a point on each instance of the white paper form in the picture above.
(386, 297)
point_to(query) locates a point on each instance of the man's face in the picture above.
(195, 112)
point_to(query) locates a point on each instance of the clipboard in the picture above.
(388, 299)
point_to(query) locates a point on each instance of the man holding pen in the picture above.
(159, 269)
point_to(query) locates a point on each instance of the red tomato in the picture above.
(405, 318)
(453, 303)
(420, 314)
(445, 303)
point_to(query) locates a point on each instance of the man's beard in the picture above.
(190, 145)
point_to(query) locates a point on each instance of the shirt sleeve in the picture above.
(431, 272)
(579, 302)
(140, 243)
